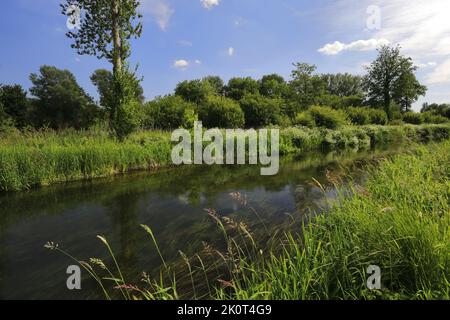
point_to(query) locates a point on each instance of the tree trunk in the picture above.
(117, 40)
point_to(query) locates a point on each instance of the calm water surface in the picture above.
(170, 201)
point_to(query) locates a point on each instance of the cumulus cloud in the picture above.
(231, 51)
(160, 11)
(181, 64)
(197, 62)
(360, 45)
(209, 4)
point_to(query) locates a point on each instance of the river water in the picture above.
(170, 201)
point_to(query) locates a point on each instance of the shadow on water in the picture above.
(170, 201)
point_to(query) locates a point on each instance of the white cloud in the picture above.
(209, 4)
(197, 62)
(231, 51)
(425, 65)
(159, 10)
(359, 45)
(181, 64)
(441, 74)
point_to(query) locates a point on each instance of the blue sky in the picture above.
(188, 39)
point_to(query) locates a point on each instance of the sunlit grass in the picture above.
(40, 158)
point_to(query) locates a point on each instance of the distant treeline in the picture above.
(57, 101)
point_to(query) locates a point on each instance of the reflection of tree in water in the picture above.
(123, 210)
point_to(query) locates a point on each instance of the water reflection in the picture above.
(170, 201)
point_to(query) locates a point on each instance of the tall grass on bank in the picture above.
(45, 157)
(399, 220)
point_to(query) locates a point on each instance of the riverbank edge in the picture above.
(43, 158)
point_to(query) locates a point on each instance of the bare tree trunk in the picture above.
(117, 39)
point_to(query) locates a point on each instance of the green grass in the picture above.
(398, 220)
(44, 157)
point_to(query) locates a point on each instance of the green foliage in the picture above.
(221, 112)
(380, 225)
(391, 78)
(273, 86)
(195, 91)
(430, 117)
(413, 118)
(45, 157)
(237, 88)
(61, 102)
(437, 109)
(343, 84)
(127, 113)
(306, 87)
(169, 112)
(15, 104)
(105, 28)
(328, 117)
(305, 119)
(216, 83)
(377, 116)
(260, 111)
(358, 116)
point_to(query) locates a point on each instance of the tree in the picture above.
(260, 111)
(408, 88)
(60, 101)
(217, 83)
(342, 84)
(170, 112)
(306, 87)
(221, 112)
(272, 86)
(237, 88)
(390, 78)
(15, 103)
(195, 91)
(106, 26)
(442, 109)
(104, 81)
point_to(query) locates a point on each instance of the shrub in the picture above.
(413, 118)
(377, 116)
(260, 111)
(429, 117)
(358, 116)
(221, 112)
(169, 112)
(305, 119)
(328, 117)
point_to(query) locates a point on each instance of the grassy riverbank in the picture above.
(398, 220)
(41, 158)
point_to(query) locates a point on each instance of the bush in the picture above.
(413, 118)
(377, 116)
(221, 112)
(328, 117)
(358, 116)
(169, 112)
(260, 111)
(305, 119)
(429, 117)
